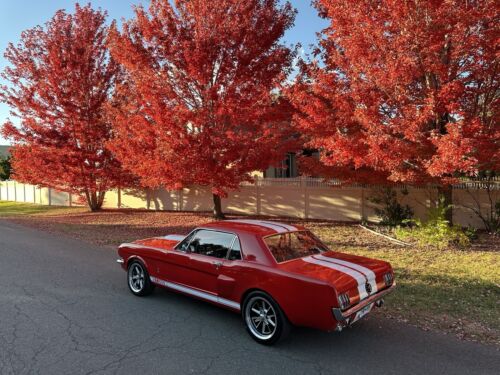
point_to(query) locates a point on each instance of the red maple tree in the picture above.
(60, 78)
(406, 91)
(201, 103)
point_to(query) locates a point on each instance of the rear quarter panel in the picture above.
(306, 302)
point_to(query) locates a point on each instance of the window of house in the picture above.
(288, 168)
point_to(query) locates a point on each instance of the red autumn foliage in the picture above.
(61, 77)
(408, 91)
(199, 105)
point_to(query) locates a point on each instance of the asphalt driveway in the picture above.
(65, 309)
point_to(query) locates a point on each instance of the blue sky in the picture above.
(19, 15)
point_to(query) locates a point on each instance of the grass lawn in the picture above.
(10, 209)
(455, 291)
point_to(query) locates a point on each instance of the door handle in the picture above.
(217, 264)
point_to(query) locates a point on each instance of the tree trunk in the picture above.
(446, 193)
(95, 200)
(218, 214)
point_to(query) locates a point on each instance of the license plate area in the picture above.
(363, 312)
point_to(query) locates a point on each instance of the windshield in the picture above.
(294, 245)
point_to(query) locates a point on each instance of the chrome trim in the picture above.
(343, 316)
(176, 247)
(138, 246)
(196, 293)
(120, 261)
(236, 239)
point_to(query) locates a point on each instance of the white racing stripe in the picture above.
(196, 293)
(370, 275)
(278, 228)
(289, 228)
(360, 278)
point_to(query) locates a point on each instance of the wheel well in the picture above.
(247, 292)
(133, 259)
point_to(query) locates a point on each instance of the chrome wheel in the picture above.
(261, 318)
(136, 278)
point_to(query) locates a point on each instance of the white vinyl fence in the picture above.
(306, 198)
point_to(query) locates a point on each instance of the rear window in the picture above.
(294, 245)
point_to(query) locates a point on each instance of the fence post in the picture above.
(181, 199)
(257, 192)
(303, 183)
(119, 198)
(363, 209)
(24, 192)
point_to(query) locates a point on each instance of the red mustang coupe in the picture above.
(276, 274)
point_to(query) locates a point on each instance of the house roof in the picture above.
(4, 151)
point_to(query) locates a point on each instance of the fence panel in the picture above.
(111, 199)
(134, 199)
(289, 197)
(340, 204)
(282, 201)
(243, 201)
(45, 194)
(29, 190)
(164, 200)
(11, 191)
(58, 198)
(196, 199)
(3, 191)
(467, 201)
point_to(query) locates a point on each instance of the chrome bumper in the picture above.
(120, 261)
(343, 316)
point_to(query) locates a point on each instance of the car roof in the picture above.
(262, 228)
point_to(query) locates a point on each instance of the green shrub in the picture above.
(436, 231)
(5, 168)
(391, 212)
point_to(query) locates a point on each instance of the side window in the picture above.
(235, 253)
(211, 243)
(183, 245)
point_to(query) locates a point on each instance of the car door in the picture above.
(231, 275)
(208, 252)
(173, 265)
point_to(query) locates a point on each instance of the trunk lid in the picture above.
(345, 272)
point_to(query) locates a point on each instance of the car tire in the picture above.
(264, 320)
(138, 279)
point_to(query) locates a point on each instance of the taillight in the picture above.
(388, 279)
(344, 301)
